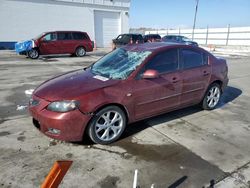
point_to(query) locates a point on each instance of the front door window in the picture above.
(50, 37)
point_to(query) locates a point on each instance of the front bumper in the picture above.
(70, 125)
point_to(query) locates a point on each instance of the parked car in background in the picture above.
(129, 84)
(152, 38)
(56, 42)
(125, 39)
(179, 39)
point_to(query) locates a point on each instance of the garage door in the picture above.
(107, 27)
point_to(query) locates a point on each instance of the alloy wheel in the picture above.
(33, 54)
(213, 96)
(81, 52)
(109, 125)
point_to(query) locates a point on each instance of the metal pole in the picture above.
(228, 32)
(196, 8)
(207, 35)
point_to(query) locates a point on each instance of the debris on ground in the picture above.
(90, 169)
(52, 143)
(21, 107)
(29, 92)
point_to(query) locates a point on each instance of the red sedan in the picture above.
(129, 84)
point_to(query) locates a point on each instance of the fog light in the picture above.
(54, 131)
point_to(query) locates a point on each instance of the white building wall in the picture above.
(25, 19)
(124, 21)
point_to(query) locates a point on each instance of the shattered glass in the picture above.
(119, 64)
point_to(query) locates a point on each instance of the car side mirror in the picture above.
(44, 40)
(149, 74)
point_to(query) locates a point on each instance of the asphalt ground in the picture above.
(185, 148)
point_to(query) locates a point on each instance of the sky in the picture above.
(180, 13)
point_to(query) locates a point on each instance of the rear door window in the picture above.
(205, 59)
(177, 38)
(134, 38)
(79, 36)
(137, 38)
(157, 36)
(64, 36)
(125, 39)
(164, 62)
(140, 38)
(191, 58)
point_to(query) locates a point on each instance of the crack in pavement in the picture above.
(230, 174)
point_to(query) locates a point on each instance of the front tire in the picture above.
(33, 53)
(107, 125)
(212, 97)
(80, 52)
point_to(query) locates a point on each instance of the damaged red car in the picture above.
(127, 85)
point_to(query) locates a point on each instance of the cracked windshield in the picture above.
(119, 64)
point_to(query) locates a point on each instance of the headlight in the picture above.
(63, 106)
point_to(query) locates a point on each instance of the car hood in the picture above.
(72, 85)
(24, 46)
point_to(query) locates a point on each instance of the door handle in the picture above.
(175, 79)
(205, 73)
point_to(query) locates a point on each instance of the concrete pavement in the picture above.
(186, 148)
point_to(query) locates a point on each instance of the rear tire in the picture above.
(80, 52)
(212, 97)
(33, 53)
(107, 125)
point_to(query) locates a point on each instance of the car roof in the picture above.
(152, 34)
(158, 46)
(65, 31)
(152, 46)
(173, 36)
(130, 34)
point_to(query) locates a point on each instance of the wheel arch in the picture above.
(78, 46)
(217, 82)
(38, 49)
